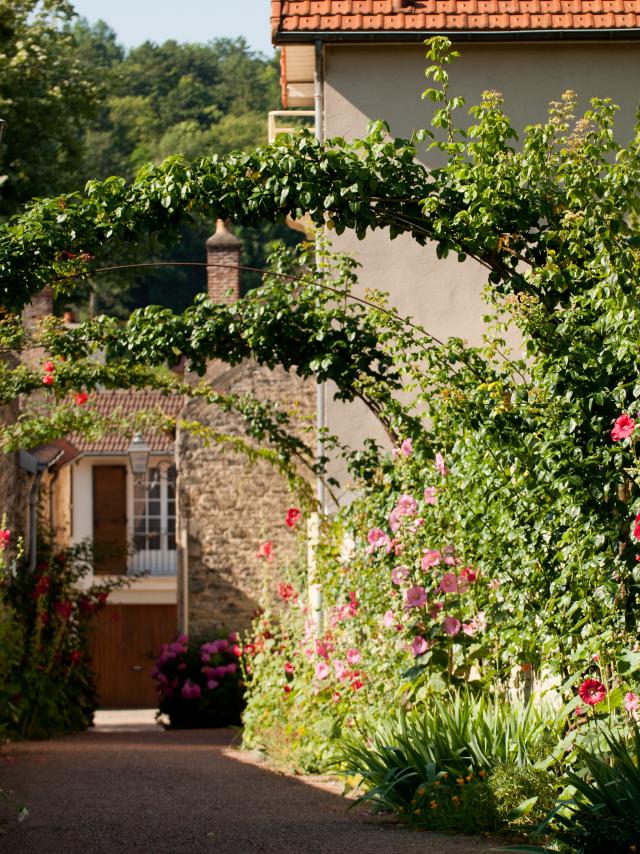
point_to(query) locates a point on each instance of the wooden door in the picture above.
(125, 641)
(110, 520)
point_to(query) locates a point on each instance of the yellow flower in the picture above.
(469, 778)
(417, 812)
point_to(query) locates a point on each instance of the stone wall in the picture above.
(228, 508)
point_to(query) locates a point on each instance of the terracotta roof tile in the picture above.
(353, 16)
(128, 402)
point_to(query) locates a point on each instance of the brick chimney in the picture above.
(223, 248)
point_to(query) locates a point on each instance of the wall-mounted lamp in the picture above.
(138, 453)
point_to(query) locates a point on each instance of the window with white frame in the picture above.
(154, 522)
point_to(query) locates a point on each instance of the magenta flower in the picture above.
(429, 559)
(212, 684)
(406, 447)
(5, 537)
(450, 583)
(440, 466)
(631, 702)
(399, 573)
(190, 691)
(353, 655)
(416, 597)
(451, 626)
(388, 619)
(377, 540)
(623, 428)
(322, 670)
(430, 495)
(419, 646)
(341, 670)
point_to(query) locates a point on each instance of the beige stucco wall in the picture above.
(364, 83)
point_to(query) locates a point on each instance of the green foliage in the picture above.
(514, 786)
(603, 812)
(46, 97)
(456, 763)
(48, 686)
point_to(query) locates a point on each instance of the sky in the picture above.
(136, 21)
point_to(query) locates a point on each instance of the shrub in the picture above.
(434, 766)
(603, 814)
(199, 682)
(48, 687)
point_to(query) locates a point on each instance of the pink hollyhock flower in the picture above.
(212, 684)
(48, 367)
(450, 583)
(468, 574)
(377, 539)
(336, 697)
(322, 670)
(596, 656)
(405, 506)
(265, 551)
(416, 597)
(592, 692)
(353, 655)
(437, 607)
(288, 667)
(399, 573)
(81, 398)
(429, 559)
(477, 624)
(232, 637)
(406, 447)
(636, 527)
(494, 584)
(293, 516)
(419, 646)
(623, 428)
(579, 711)
(469, 629)
(47, 379)
(341, 670)
(440, 466)
(5, 537)
(451, 626)
(430, 495)
(631, 702)
(388, 619)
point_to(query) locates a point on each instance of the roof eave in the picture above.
(284, 37)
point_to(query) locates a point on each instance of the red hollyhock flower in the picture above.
(47, 379)
(623, 428)
(266, 550)
(636, 527)
(81, 398)
(49, 367)
(5, 536)
(293, 516)
(592, 692)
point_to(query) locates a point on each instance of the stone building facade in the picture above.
(228, 507)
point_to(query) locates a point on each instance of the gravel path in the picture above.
(137, 788)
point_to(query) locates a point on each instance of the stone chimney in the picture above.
(41, 306)
(223, 249)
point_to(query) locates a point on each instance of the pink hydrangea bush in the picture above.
(199, 683)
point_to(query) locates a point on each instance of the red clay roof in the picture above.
(450, 16)
(128, 402)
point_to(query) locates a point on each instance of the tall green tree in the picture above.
(47, 96)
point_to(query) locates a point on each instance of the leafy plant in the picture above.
(603, 814)
(435, 764)
(199, 682)
(48, 687)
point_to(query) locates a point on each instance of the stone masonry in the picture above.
(228, 507)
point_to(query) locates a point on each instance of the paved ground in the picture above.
(128, 786)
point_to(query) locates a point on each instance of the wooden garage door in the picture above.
(110, 520)
(125, 641)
